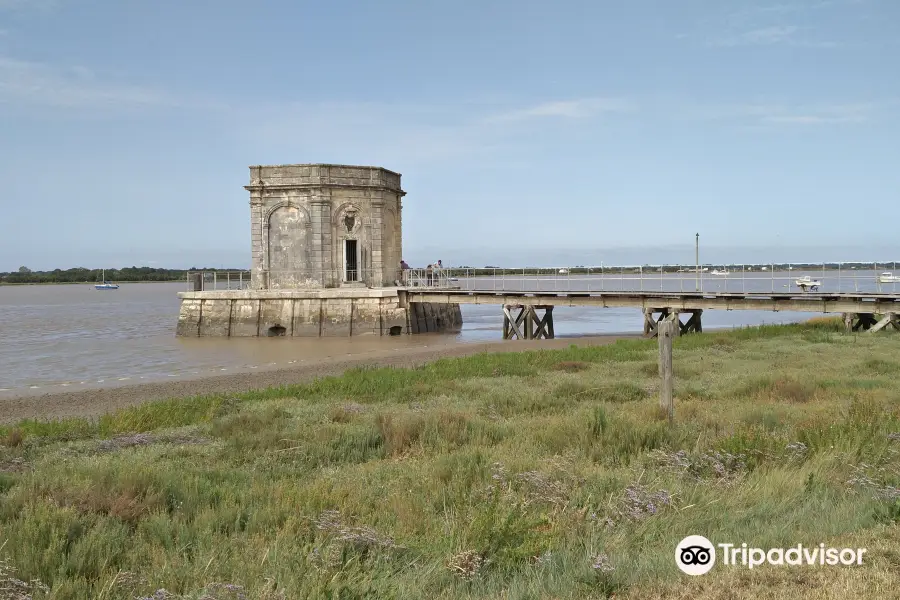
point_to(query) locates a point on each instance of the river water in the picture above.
(59, 337)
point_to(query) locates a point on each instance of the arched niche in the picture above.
(287, 246)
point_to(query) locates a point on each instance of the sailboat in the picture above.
(106, 285)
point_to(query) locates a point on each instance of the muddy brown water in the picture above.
(60, 338)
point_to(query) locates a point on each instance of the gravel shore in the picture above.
(92, 403)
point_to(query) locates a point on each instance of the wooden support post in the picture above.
(693, 324)
(666, 330)
(887, 319)
(198, 282)
(510, 324)
(527, 325)
(543, 325)
(675, 318)
(520, 323)
(651, 323)
(864, 321)
(848, 322)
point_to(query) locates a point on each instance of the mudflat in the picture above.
(92, 403)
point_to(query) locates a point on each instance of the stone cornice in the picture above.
(319, 186)
(327, 166)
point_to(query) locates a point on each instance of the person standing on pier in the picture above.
(438, 267)
(404, 276)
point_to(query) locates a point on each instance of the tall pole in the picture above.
(697, 258)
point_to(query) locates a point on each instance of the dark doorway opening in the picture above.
(352, 269)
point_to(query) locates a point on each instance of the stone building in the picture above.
(324, 226)
(326, 251)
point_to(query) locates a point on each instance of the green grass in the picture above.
(546, 474)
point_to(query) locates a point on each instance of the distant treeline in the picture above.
(82, 275)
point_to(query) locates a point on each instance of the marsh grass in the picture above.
(546, 474)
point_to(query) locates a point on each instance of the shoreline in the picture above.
(610, 271)
(95, 402)
(6, 284)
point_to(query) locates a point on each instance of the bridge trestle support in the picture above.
(694, 323)
(869, 322)
(526, 324)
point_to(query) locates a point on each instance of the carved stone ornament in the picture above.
(349, 221)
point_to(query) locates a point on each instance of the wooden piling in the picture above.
(526, 324)
(665, 334)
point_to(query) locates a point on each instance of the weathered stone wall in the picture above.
(312, 313)
(301, 216)
(426, 317)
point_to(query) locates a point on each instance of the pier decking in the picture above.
(866, 311)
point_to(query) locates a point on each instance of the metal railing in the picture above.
(823, 278)
(218, 280)
(431, 278)
(310, 279)
(827, 278)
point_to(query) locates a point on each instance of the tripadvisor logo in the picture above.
(696, 555)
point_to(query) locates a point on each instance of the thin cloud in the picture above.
(798, 9)
(568, 109)
(788, 35)
(801, 115)
(366, 133)
(760, 37)
(32, 84)
(774, 24)
(361, 133)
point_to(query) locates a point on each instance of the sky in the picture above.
(527, 133)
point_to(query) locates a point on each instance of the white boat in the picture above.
(718, 272)
(807, 283)
(888, 277)
(106, 285)
(563, 271)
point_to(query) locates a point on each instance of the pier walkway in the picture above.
(529, 315)
(867, 295)
(867, 298)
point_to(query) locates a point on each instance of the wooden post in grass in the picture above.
(666, 333)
